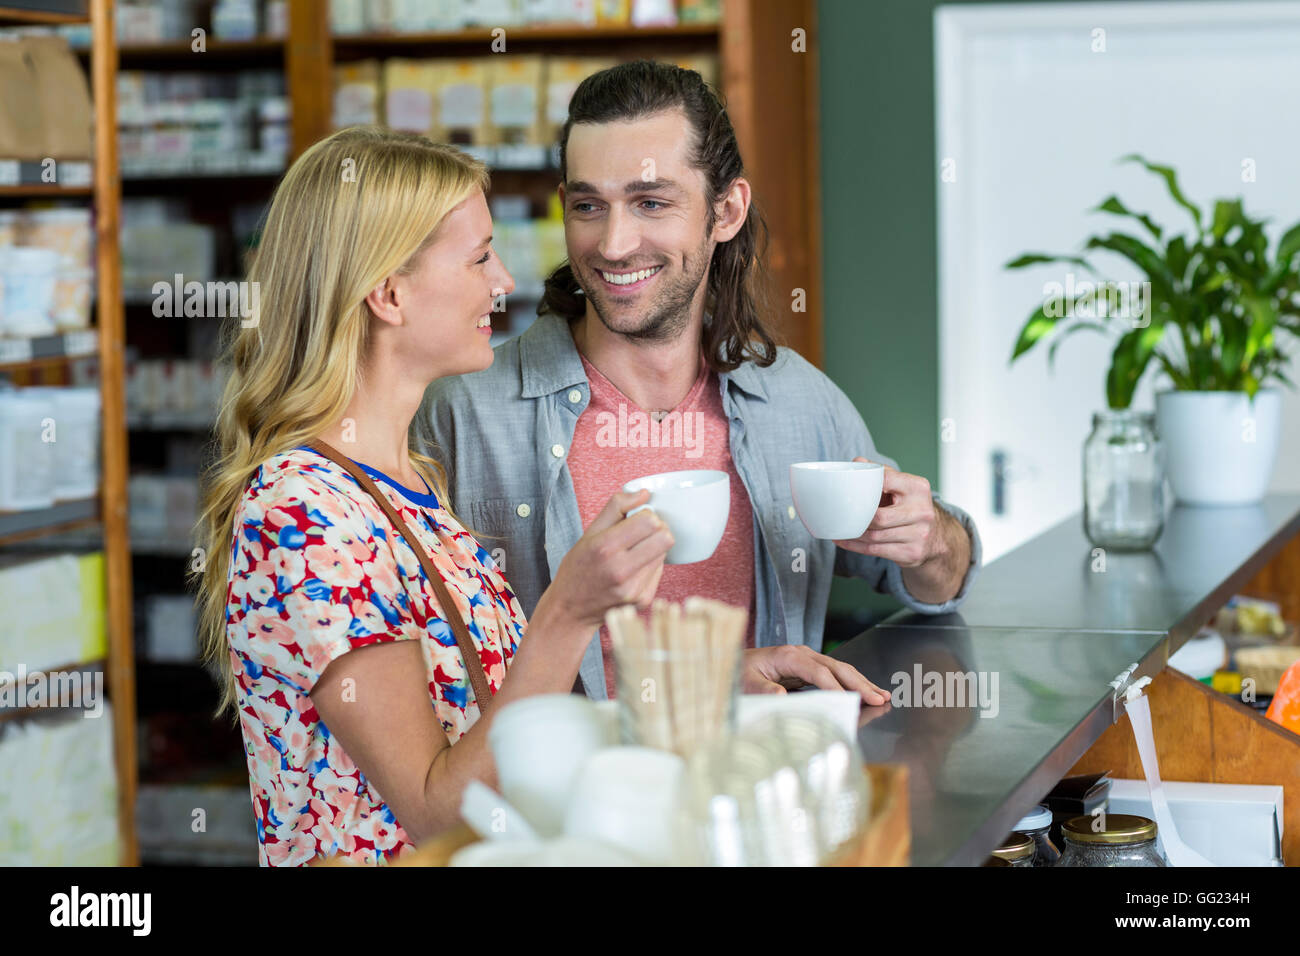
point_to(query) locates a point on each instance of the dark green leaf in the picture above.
(1171, 181)
(1141, 255)
(1212, 283)
(1289, 246)
(1176, 375)
(1036, 326)
(1177, 257)
(1113, 205)
(1034, 258)
(1227, 213)
(1261, 329)
(1129, 360)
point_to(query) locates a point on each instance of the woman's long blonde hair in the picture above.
(355, 208)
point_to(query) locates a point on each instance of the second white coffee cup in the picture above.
(694, 505)
(836, 499)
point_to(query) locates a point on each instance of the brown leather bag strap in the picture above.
(468, 649)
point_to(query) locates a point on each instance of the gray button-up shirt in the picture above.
(497, 432)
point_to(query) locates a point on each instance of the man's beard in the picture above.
(668, 312)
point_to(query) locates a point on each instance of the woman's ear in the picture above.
(383, 302)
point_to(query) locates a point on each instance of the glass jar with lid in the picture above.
(1037, 824)
(1124, 840)
(1017, 849)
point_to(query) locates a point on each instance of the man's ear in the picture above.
(731, 211)
(383, 301)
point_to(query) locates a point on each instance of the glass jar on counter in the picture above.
(1037, 825)
(1125, 840)
(1017, 849)
(1123, 481)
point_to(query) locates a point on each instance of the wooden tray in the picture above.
(887, 840)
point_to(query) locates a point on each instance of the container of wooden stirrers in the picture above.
(677, 676)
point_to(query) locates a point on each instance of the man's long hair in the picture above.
(737, 274)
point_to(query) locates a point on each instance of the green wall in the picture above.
(878, 232)
(880, 269)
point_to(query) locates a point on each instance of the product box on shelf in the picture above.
(58, 792)
(170, 629)
(357, 94)
(64, 96)
(515, 111)
(27, 456)
(462, 108)
(45, 105)
(561, 77)
(54, 610)
(70, 430)
(409, 95)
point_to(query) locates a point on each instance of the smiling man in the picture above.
(651, 353)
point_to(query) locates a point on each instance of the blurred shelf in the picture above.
(169, 421)
(519, 156)
(202, 165)
(63, 517)
(551, 33)
(47, 349)
(43, 11)
(179, 54)
(163, 545)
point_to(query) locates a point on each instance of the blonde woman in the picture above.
(376, 275)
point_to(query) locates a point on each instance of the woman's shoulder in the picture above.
(300, 478)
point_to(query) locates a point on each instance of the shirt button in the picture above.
(790, 511)
(575, 396)
(557, 451)
(523, 510)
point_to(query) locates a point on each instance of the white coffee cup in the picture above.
(836, 499)
(694, 505)
(628, 797)
(539, 743)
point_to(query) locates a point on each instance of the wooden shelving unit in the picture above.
(109, 511)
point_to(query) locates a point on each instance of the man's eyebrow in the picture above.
(630, 188)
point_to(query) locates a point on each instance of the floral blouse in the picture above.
(317, 570)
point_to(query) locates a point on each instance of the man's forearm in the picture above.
(940, 578)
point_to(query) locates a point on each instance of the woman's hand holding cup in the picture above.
(617, 561)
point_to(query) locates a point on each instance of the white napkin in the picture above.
(1139, 715)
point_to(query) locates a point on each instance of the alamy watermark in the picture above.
(638, 429)
(922, 688)
(80, 689)
(1085, 299)
(207, 300)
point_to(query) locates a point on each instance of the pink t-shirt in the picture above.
(615, 442)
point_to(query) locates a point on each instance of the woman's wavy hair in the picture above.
(355, 208)
(736, 295)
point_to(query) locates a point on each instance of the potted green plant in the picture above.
(1208, 313)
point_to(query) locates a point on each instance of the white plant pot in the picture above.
(1220, 450)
